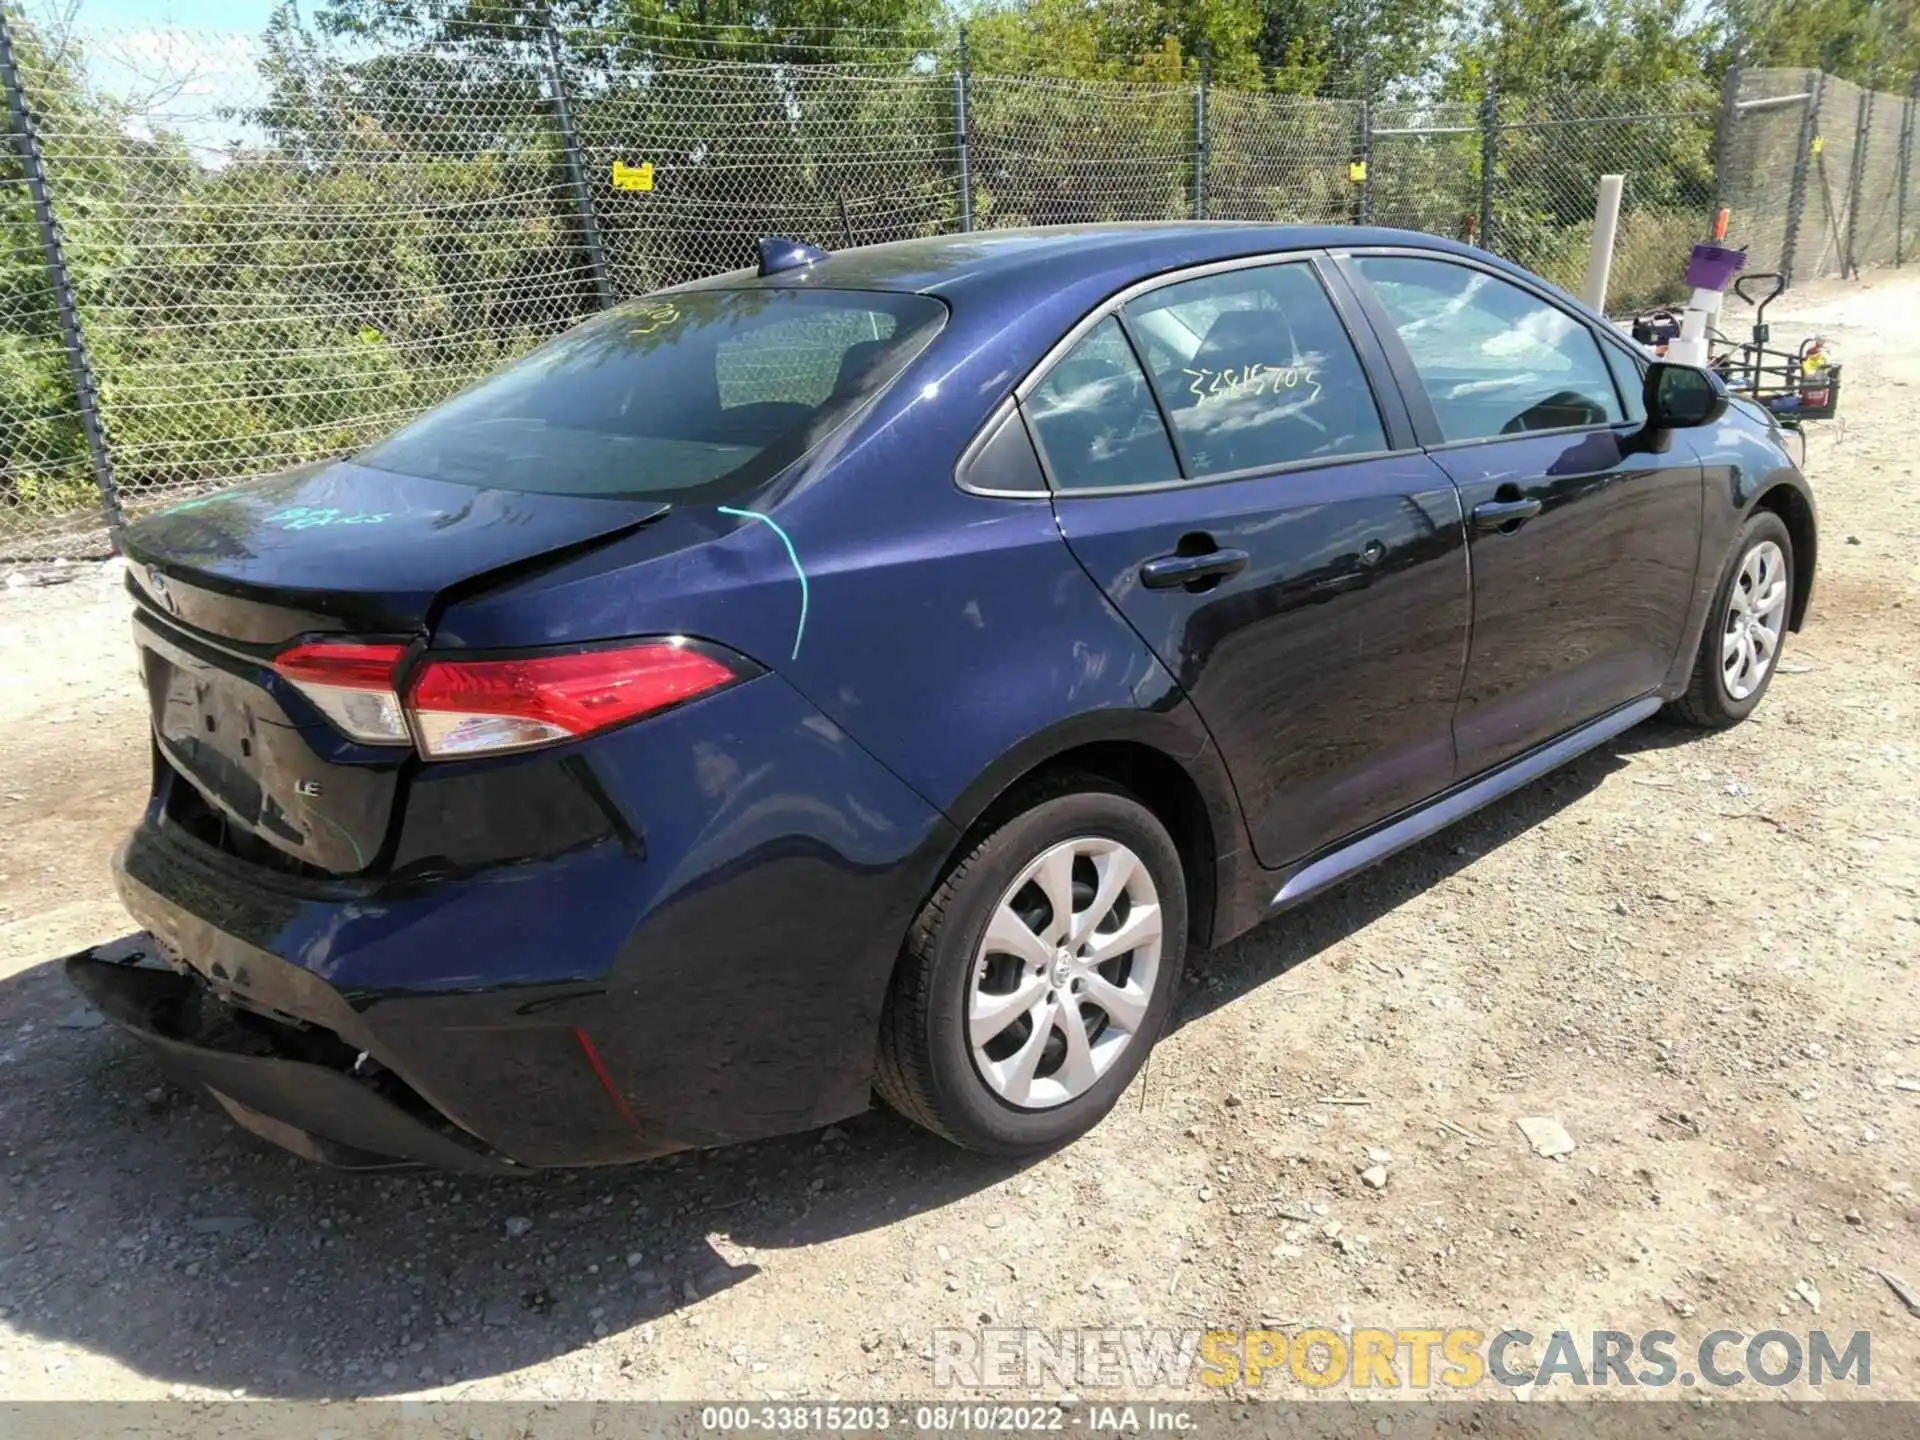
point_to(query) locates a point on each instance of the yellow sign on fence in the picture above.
(633, 177)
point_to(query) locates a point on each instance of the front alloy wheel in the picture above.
(1756, 619)
(1037, 977)
(1752, 608)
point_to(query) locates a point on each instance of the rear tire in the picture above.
(974, 1041)
(1751, 609)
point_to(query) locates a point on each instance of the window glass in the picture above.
(1095, 418)
(798, 361)
(669, 394)
(1632, 378)
(1495, 360)
(1256, 370)
(1004, 462)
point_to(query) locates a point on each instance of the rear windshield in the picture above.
(676, 393)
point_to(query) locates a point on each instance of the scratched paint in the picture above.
(800, 630)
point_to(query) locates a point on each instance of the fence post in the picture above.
(1723, 140)
(960, 136)
(1200, 146)
(570, 147)
(1857, 175)
(54, 255)
(1489, 159)
(1802, 155)
(1363, 146)
(1906, 164)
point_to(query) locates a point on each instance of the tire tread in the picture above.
(903, 1068)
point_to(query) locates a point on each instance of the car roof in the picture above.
(1045, 257)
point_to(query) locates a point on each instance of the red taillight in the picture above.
(477, 707)
(353, 685)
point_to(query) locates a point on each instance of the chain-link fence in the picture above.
(47, 478)
(265, 250)
(836, 154)
(1550, 152)
(1425, 170)
(1821, 176)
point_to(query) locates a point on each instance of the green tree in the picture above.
(1396, 43)
(1867, 41)
(774, 31)
(1538, 46)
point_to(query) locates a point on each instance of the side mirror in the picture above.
(1682, 397)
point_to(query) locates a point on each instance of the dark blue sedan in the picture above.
(882, 671)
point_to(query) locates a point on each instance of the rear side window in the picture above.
(1256, 370)
(1003, 461)
(1495, 359)
(1095, 417)
(671, 395)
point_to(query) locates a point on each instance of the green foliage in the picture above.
(1866, 41)
(1535, 46)
(41, 446)
(1294, 46)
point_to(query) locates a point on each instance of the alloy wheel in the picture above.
(1065, 973)
(1755, 619)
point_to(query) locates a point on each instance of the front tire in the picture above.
(1038, 976)
(1746, 629)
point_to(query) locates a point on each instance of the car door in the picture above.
(1224, 469)
(1584, 536)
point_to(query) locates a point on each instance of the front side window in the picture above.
(679, 393)
(1632, 380)
(1494, 359)
(1095, 418)
(1256, 370)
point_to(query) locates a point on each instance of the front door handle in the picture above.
(1507, 515)
(1166, 571)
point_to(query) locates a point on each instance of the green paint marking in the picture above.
(801, 629)
(359, 860)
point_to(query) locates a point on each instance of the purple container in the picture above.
(1712, 267)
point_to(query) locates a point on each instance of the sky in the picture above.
(249, 15)
(182, 65)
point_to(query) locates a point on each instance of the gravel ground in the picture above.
(1696, 953)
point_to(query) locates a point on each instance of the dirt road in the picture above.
(1697, 953)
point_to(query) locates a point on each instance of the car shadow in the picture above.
(142, 1226)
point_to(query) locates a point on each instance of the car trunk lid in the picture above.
(340, 548)
(226, 583)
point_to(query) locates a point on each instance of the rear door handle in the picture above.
(1166, 571)
(1502, 514)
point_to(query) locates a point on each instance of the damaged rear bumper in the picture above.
(315, 1110)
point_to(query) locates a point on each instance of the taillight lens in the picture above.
(352, 685)
(480, 707)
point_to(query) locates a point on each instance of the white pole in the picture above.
(1690, 347)
(1606, 219)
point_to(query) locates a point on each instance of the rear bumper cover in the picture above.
(713, 973)
(502, 1062)
(320, 1113)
